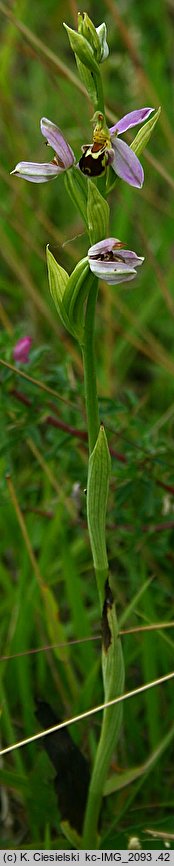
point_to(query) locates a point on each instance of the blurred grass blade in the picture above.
(42, 49)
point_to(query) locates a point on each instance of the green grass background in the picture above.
(48, 593)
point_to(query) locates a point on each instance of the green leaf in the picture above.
(70, 293)
(76, 185)
(97, 213)
(87, 29)
(88, 80)
(97, 494)
(142, 137)
(74, 284)
(58, 279)
(82, 48)
(76, 293)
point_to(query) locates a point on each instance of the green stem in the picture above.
(90, 384)
(112, 659)
(99, 93)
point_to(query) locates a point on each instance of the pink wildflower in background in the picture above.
(21, 350)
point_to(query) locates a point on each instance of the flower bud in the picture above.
(104, 48)
(96, 36)
(82, 48)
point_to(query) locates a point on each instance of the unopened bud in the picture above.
(104, 47)
(82, 48)
(87, 29)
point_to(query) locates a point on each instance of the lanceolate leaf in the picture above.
(75, 295)
(76, 186)
(97, 494)
(70, 293)
(58, 279)
(88, 80)
(97, 213)
(144, 134)
(74, 285)
(82, 48)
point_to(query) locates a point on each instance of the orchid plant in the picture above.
(75, 298)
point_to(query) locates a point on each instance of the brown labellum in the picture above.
(93, 161)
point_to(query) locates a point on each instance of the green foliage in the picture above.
(58, 279)
(77, 187)
(86, 27)
(70, 293)
(97, 495)
(98, 214)
(82, 48)
(144, 134)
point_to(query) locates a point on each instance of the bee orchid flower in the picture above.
(109, 261)
(109, 149)
(63, 159)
